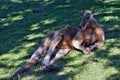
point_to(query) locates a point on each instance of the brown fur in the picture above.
(89, 36)
(95, 34)
(67, 34)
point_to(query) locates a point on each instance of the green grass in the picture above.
(21, 31)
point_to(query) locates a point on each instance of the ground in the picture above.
(21, 30)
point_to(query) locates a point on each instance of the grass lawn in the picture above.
(21, 31)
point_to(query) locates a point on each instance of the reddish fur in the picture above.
(92, 34)
(67, 34)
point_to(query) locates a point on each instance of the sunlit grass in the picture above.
(17, 18)
(107, 18)
(21, 30)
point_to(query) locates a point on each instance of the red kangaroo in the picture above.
(86, 37)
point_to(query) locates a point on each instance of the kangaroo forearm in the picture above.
(77, 45)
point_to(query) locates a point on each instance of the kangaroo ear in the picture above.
(92, 12)
(84, 11)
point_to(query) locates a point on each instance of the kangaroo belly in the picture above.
(65, 44)
(67, 36)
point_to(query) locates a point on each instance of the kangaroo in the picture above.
(86, 37)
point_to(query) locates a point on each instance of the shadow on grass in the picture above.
(114, 77)
(20, 27)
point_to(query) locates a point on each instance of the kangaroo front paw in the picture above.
(87, 50)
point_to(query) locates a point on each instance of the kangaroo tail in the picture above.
(24, 68)
(33, 61)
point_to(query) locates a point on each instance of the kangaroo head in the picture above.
(88, 19)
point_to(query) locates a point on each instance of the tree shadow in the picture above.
(19, 24)
(114, 77)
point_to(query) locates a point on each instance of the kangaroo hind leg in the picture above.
(55, 41)
(42, 50)
(59, 54)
